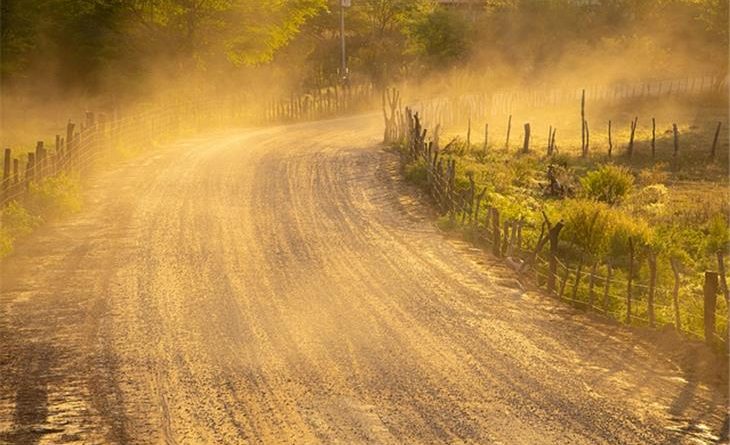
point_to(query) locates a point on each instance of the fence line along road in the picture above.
(592, 286)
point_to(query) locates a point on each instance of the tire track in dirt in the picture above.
(283, 285)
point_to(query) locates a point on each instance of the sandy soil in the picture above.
(282, 285)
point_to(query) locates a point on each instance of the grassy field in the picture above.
(674, 208)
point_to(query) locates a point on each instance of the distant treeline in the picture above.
(104, 47)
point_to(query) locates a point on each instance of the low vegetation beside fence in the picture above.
(599, 234)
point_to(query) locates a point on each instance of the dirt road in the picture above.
(283, 286)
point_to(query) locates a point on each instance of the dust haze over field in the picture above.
(256, 266)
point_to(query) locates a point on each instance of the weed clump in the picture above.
(50, 198)
(609, 184)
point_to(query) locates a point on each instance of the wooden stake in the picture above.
(653, 138)
(714, 140)
(630, 150)
(652, 287)
(630, 279)
(583, 122)
(710, 294)
(610, 142)
(675, 292)
(486, 137)
(509, 129)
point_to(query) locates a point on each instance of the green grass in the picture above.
(51, 198)
(674, 207)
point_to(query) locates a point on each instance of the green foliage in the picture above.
(80, 40)
(650, 201)
(416, 172)
(586, 224)
(15, 222)
(718, 235)
(442, 37)
(609, 184)
(54, 196)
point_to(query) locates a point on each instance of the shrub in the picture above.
(586, 225)
(650, 200)
(54, 196)
(15, 222)
(718, 235)
(609, 184)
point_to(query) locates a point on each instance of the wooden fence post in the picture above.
(6, 168)
(16, 171)
(30, 168)
(652, 287)
(468, 136)
(675, 293)
(526, 143)
(713, 151)
(610, 142)
(653, 138)
(496, 246)
(486, 137)
(509, 129)
(583, 123)
(564, 282)
(607, 285)
(630, 151)
(553, 234)
(629, 281)
(710, 293)
(577, 279)
(676, 140)
(723, 277)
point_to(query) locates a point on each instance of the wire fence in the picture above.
(484, 105)
(611, 287)
(95, 139)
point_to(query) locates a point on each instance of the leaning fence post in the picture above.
(714, 141)
(509, 129)
(723, 277)
(675, 293)
(710, 301)
(553, 234)
(564, 282)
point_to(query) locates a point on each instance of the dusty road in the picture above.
(283, 286)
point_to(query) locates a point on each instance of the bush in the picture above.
(650, 201)
(15, 222)
(718, 235)
(586, 225)
(54, 196)
(609, 184)
(595, 228)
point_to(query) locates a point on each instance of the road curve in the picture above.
(282, 285)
